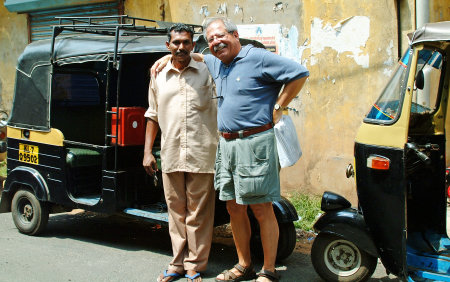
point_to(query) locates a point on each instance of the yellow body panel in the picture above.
(53, 137)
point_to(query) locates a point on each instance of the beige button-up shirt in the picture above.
(181, 102)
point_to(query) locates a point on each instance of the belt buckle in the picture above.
(241, 133)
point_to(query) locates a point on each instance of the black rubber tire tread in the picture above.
(286, 241)
(365, 271)
(40, 213)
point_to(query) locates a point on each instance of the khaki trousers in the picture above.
(190, 203)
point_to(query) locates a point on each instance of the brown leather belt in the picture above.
(246, 132)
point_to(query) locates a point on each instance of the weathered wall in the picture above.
(350, 58)
(13, 39)
(155, 9)
(439, 10)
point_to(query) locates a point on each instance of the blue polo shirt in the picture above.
(248, 87)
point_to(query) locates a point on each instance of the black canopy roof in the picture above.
(33, 81)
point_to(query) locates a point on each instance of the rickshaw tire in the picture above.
(367, 266)
(286, 240)
(23, 203)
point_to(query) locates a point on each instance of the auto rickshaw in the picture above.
(77, 128)
(399, 168)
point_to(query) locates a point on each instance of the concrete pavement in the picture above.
(89, 247)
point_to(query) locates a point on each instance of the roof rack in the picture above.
(107, 25)
(120, 25)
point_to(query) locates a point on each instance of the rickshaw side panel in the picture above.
(43, 175)
(381, 195)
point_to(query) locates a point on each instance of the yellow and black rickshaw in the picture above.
(76, 128)
(400, 169)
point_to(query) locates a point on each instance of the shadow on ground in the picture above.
(131, 234)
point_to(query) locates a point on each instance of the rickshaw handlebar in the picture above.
(422, 156)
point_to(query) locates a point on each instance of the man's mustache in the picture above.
(181, 52)
(219, 46)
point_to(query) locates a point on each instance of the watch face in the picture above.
(277, 107)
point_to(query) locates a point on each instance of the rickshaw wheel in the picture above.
(286, 240)
(29, 214)
(337, 259)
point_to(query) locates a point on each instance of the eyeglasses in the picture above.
(218, 37)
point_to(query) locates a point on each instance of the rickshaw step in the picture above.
(149, 213)
(428, 266)
(88, 200)
(430, 276)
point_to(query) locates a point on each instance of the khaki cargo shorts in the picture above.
(247, 169)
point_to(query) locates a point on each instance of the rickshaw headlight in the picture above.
(332, 201)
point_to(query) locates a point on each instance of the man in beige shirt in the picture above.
(181, 104)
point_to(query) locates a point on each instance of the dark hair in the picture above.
(179, 27)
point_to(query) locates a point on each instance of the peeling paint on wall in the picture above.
(390, 61)
(204, 11)
(222, 10)
(285, 40)
(349, 35)
(289, 46)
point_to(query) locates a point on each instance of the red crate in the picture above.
(132, 125)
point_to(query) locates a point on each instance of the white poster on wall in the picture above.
(267, 34)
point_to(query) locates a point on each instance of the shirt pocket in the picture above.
(201, 98)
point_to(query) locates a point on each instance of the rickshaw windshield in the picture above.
(387, 107)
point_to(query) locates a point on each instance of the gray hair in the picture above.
(229, 25)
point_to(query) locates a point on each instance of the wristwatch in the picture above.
(277, 107)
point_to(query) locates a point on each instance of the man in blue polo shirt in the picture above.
(248, 83)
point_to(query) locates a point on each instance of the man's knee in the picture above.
(263, 211)
(235, 209)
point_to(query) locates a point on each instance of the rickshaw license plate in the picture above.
(28, 153)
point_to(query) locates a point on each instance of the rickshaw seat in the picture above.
(79, 157)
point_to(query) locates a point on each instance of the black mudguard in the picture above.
(23, 177)
(284, 211)
(348, 224)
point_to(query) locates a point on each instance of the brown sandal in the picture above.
(272, 276)
(247, 274)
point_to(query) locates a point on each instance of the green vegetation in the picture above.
(308, 208)
(3, 169)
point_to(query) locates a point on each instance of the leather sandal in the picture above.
(272, 276)
(247, 274)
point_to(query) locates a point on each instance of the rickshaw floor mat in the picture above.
(430, 242)
(439, 242)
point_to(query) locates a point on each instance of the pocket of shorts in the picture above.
(260, 147)
(252, 179)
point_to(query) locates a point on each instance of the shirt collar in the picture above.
(244, 51)
(192, 64)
